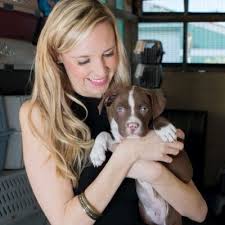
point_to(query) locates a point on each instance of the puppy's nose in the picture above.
(132, 125)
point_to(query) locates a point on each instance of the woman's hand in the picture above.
(148, 171)
(180, 134)
(151, 147)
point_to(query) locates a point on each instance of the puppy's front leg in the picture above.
(165, 129)
(103, 142)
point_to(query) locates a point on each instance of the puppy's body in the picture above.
(130, 111)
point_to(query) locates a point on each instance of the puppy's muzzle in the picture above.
(132, 126)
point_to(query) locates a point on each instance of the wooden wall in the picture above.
(202, 91)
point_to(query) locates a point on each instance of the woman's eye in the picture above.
(143, 109)
(83, 62)
(109, 54)
(120, 109)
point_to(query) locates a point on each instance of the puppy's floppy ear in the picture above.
(158, 101)
(110, 95)
(107, 99)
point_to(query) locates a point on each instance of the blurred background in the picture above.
(182, 51)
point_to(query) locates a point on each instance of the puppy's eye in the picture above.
(143, 109)
(120, 109)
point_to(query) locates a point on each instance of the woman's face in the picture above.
(91, 65)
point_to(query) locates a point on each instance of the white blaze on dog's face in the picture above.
(130, 113)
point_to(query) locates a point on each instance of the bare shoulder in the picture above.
(35, 114)
(31, 143)
(25, 106)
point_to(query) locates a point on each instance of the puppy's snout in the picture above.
(132, 125)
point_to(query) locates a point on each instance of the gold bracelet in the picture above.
(90, 210)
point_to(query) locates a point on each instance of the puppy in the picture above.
(131, 112)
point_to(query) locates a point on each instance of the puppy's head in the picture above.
(130, 109)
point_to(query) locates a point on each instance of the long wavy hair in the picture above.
(68, 138)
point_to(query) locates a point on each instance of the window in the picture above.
(207, 6)
(171, 36)
(120, 4)
(103, 1)
(121, 27)
(191, 31)
(206, 43)
(163, 6)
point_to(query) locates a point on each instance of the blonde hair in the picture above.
(68, 139)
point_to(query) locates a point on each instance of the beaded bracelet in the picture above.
(88, 208)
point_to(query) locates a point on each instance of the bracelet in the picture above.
(90, 210)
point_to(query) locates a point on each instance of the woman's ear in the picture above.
(59, 59)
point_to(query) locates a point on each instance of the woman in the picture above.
(79, 55)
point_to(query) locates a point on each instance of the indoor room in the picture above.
(176, 47)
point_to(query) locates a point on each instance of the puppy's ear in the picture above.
(110, 95)
(158, 101)
(107, 99)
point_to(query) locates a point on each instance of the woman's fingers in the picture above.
(169, 149)
(176, 145)
(167, 159)
(180, 134)
(172, 151)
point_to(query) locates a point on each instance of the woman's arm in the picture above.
(185, 198)
(55, 194)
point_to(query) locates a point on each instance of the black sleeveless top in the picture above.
(123, 208)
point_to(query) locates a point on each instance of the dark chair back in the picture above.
(194, 125)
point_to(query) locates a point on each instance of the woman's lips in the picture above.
(98, 82)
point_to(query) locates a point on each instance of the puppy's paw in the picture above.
(97, 155)
(167, 133)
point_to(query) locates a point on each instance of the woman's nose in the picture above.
(100, 68)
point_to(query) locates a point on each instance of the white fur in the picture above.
(155, 207)
(167, 133)
(102, 142)
(131, 101)
(115, 131)
(133, 118)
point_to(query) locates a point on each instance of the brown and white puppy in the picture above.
(130, 111)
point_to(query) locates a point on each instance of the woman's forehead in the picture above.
(100, 39)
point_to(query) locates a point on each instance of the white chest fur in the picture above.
(156, 208)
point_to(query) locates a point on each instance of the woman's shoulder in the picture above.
(32, 127)
(35, 114)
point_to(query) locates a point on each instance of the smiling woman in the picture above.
(91, 65)
(79, 57)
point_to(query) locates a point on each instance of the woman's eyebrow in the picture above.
(109, 48)
(86, 56)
